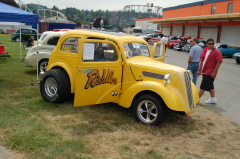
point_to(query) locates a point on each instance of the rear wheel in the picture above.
(149, 110)
(55, 86)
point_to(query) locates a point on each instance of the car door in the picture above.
(158, 51)
(99, 73)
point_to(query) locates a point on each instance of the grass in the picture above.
(38, 129)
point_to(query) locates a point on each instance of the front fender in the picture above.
(69, 72)
(173, 99)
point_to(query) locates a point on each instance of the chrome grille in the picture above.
(189, 89)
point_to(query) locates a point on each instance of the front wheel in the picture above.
(42, 66)
(238, 60)
(149, 110)
(17, 39)
(55, 86)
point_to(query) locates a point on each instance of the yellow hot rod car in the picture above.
(102, 67)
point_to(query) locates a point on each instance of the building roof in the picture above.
(203, 18)
(149, 19)
(193, 4)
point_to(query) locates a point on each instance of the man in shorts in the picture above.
(211, 60)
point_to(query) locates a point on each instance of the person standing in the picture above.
(165, 39)
(194, 58)
(211, 60)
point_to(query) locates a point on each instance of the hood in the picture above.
(139, 64)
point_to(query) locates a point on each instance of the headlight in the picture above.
(167, 79)
(190, 74)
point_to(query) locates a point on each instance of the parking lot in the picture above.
(226, 84)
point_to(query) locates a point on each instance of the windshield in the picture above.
(137, 30)
(217, 45)
(136, 49)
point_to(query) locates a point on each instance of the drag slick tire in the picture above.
(149, 110)
(55, 86)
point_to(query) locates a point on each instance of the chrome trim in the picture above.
(153, 75)
(189, 89)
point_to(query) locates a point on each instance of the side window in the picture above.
(24, 31)
(53, 41)
(99, 52)
(34, 32)
(70, 45)
(223, 46)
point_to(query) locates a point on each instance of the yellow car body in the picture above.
(126, 71)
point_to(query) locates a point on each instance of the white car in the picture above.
(45, 47)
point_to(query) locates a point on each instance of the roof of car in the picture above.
(107, 32)
(98, 34)
(52, 34)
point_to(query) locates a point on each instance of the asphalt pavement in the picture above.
(227, 84)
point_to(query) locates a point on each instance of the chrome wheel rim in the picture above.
(147, 111)
(50, 87)
(43, 66)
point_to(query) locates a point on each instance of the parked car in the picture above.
(179, 46)
(44, 34)
(202, 44)
(45, 47)
(127, 73)
(226, 49)
(187, 46)
(171, 43)
(146, 37)
(154, 39)
(170, 37)
(25, 34)
(237, 57)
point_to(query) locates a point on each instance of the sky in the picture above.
(111, 5)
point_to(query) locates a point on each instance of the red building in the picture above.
(217, 19)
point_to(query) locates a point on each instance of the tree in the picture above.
(10, 2)
(55, 8)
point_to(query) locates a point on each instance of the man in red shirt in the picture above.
(211, 60)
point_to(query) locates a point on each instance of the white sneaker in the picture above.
(212, 100)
